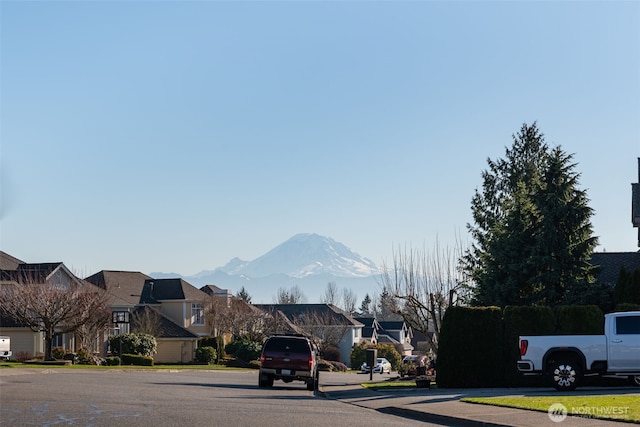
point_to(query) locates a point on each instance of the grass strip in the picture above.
(605, 407)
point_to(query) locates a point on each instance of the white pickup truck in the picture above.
(565, 359)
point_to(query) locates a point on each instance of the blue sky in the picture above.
(174, 136)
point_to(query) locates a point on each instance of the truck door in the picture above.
(624, 344)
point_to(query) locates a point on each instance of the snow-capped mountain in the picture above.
(309, 261)
(305, 255)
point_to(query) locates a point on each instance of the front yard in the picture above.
(607, 407)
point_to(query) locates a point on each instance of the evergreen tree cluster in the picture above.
(532, 235)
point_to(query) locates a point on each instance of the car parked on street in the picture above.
(382, 365)
(288, 358)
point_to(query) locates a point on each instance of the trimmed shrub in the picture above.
(580, 320)
(331, 352)
(331, 366)
(85, 357)
(58, 353)
(217, 343)
(628, 307)
(471, 351)
(142, 344)
(136, 360)
(244, 349)
(113, 361)
(206, 354)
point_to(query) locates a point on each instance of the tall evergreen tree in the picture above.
(365, 309)
(532, 231)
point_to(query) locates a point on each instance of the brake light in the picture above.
(311, 363)
(262, 359)
(524, 345)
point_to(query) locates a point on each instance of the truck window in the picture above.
(628, 325)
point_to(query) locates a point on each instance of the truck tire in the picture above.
(565, 374)
(265, 381)
(311, 384)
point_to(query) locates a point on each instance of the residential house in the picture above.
(25, 341)
(326, 322)
(396, 333)
(124, 289)
(399, 333)
(134, 312)
(183, 304)
(370, 329)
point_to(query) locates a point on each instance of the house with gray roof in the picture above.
(24, 340)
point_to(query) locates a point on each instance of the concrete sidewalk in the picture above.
(444, 407)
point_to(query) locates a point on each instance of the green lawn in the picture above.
(606, 407)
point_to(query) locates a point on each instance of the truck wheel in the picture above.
(634, 380)
(565, 374)
(265, 381)
(311, 384)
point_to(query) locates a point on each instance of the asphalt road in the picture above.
(62, 397)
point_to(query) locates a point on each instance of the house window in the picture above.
(197, 314)
(57, 340)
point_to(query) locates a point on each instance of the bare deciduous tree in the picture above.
(56, 305)
(331, 295)
(426, 284)
(234, 316)
(146, 321)
(349, 300)
(325, 329)
(294, 295)
(90, 334)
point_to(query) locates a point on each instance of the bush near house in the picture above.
(142, 344)
(331, 353)
(217, 343)
(136, 360)
(114, 361)
(206, 354)
(58, 353)
(244, 349)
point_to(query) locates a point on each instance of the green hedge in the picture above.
(470, 352)
(628, 307)
(136, 360)
(579, 320)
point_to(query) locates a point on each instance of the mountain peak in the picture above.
(303, 255)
